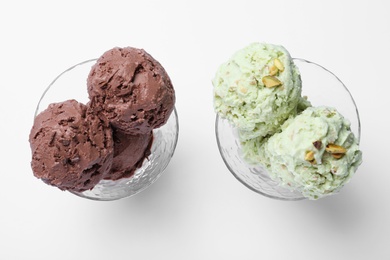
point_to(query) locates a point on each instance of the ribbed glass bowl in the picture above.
(72, 84)
(323, 88)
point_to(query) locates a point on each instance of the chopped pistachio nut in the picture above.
(335, 149)
(337, 155)
(317, 144)
(309, 156)
(279, 64)
(271, 81)
(273, 70)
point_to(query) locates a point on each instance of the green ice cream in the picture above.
(308, 149)
(316, 153)
(250, 148)
(257, 89)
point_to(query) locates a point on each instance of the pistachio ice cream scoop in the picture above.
(315, 153)
(257, 89)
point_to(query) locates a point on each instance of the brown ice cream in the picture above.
(131, 89)
(74, 146)
(129, 154)
(72, 149)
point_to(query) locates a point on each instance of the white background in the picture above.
(197, 209)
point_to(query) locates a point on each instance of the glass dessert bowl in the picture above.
(71, 84)
(323, 88)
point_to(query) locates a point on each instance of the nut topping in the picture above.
(334, 148)
(273, 70)
(317, 144)
(278, 64)
(337, 155)
(271, 81)
(309, 156)
(337, 151)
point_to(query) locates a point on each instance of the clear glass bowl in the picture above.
(72, 84)
(322, 87)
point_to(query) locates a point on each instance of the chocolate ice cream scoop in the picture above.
(129, 153)
(71, 148)
(131, 89)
